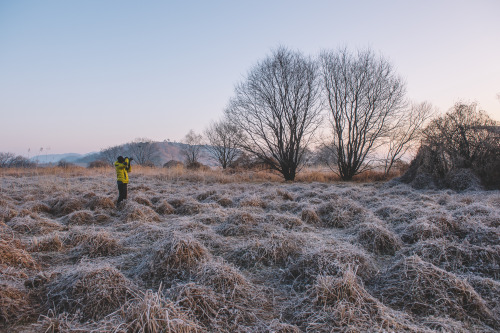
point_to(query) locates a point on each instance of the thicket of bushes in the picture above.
(460, 150)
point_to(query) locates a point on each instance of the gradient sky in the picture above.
(78, 76)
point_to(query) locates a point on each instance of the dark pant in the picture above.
(122, 191)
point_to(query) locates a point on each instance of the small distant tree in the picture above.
(6, 159)
(192, 150)
(406, 133)
(144, 151)
(10, 160)
(98, 164)
(111, 153)
(224, 142)
(326, 154)
(64, 164)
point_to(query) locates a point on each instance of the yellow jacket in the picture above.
(122, 170)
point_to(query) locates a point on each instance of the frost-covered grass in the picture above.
(216, 252)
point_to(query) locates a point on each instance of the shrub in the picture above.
(464, 138)
(98, 164)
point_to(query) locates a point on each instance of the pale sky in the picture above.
(78, 76)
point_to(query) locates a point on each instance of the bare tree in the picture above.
(192, 150)
(224, 141)
(143, 151)
(111, 153)
(406, 133)
(465, 137)
(6, 159)
(9, 160)
(364, 97)
(276, 108)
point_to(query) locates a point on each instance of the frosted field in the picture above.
(208, 254)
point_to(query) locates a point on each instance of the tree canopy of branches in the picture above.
(9, 160)
(364, 97)
(143, 151)
(276, 108)
(465, 137)
(224, 141)
(406, 133)
(192, 150)
(110, 154)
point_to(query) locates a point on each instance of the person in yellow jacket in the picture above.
(122, 166)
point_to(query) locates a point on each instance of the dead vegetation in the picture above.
(201, 251)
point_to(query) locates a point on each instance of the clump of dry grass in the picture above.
(394, 214)
(204, 303)
(66, 205)
(47, 243)
(59, 323)
(15, 304)
(7, 213)
(175, 257)
(94, 243)
(205, 195)
(460, 257)
(90, 291)
(278, 327)
(252, 201)
(150, 312)
(80, 217)
(34, 225)
(225, 202)
(285, 195)
(189, 208)
(285, 220)
(133, 211)
(378, 239)
(341, 213)
(328, 260)
(101, 202)
(38, 207)
(310, 216)
(223, 278)
(164, 208)
(238, 224)
(279, 249)
(424, 289)
(489, 290)
(218, 311)
(12, 254)
(342, 302)
(142, 200)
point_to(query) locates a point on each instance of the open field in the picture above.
(212, 252)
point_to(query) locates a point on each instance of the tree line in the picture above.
(350, 107)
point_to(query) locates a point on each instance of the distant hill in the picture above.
(166, 151)
(55, 158)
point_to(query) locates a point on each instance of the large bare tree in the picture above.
(224, 141)
(276, 108)
(364, 97)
